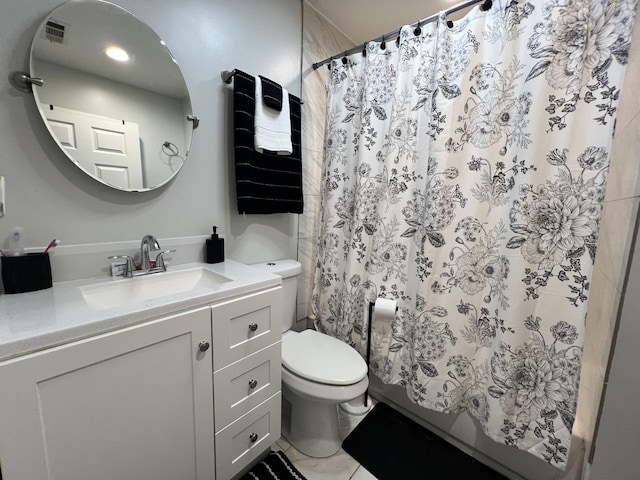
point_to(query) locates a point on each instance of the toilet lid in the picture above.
(321, 358)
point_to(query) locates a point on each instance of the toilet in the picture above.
(318, 373)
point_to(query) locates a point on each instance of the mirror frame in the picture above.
(167, 148)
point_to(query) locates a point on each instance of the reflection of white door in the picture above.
(107, 148)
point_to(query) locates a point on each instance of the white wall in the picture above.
(50, 197)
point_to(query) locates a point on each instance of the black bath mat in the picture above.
(391, 447)
(276, 466)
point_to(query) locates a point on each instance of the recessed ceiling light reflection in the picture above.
(117, 54)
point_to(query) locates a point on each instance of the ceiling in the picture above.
(363, 20)
(89, 27)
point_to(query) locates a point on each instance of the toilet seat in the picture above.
(321, 392)
(320, 358)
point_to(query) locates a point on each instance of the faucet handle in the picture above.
(129, 266)
(160, 259)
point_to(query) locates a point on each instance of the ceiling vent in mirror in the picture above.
(54, 31)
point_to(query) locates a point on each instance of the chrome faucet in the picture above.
(148, 244)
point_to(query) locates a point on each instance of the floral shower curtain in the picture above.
(464, 176)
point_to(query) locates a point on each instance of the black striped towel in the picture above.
(265, 182)
(276, 466)
(271, 94)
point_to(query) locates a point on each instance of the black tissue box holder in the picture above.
(26, 273)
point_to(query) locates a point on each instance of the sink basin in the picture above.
(148, 287)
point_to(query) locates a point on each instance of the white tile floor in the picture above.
(340, 466)
(337, 467)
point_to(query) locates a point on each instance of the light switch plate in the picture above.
(1, 196)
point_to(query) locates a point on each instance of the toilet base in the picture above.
(311, 427)
(356, 406)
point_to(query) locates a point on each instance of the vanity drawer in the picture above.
(245, 325)
(247, 438)
(245, 384)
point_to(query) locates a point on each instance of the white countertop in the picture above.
(36, 320)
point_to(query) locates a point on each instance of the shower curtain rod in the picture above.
(485, 6)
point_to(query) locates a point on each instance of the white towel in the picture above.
(272, 128)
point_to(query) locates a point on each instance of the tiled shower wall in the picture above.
(616, 233)
(321, 40)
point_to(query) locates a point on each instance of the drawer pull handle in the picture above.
(253, 383)
(253, 437)
(253, 327)
(203, 346)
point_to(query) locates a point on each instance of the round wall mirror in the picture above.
(113, 96)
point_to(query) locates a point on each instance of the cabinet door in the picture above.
(132, 404)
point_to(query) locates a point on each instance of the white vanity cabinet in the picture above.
(133, 403)
(193, 395)
(247, 378)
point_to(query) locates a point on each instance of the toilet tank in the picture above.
(289, 270)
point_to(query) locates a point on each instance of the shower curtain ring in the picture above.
(344, 58)
(486, 5)
(364, 50)
(417, 31)
(383, 45)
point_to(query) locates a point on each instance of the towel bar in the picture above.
(227, 76)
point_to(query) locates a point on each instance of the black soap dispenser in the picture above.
(215, 248)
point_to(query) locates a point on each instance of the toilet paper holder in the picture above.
(369, 328)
